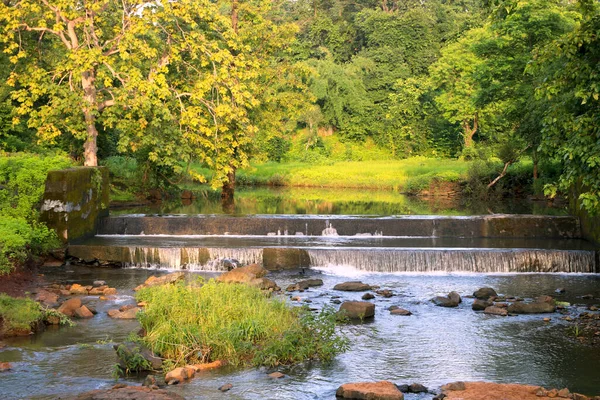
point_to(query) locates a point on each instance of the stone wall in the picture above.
(590, 224)
(74, 200)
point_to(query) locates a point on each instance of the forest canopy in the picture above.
(224, 82)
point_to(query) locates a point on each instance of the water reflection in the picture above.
(277, 200)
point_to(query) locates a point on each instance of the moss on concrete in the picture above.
(74, 200)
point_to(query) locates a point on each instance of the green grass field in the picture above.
(392, 174)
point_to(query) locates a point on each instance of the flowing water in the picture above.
(433, 346)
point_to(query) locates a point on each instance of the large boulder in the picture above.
(245, 274)
(537, 307)
(485, 293)
(452, 300)
(129, 393)
(68, 307)
(160, 280)
(357, 309)
(383, 390)
(353, 286)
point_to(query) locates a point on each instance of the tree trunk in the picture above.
(228, 189)
(469, 131)
(234, 16)
(90, 147)
(535, 165)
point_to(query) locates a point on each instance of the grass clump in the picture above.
(18, 315)
(190, 324)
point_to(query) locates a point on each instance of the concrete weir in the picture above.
(496, 243)
(527, 226)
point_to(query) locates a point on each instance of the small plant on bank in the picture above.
(131, 361)
(235, 323)
(18, 315)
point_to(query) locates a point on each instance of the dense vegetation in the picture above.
(204, 322)
(218, 84)
(22, 179)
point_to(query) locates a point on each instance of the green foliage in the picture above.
(62, 318)
(132, 361)
(232, 322)
(18, 314)
(316, 334)
(22, 183)
(570, 68)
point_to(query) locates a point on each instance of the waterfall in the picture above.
(190, 258)
(455, 260)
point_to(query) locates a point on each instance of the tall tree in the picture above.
(87, 57)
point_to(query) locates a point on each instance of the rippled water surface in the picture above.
(433, 346)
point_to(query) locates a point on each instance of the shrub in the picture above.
(22, 183)
(233, 322)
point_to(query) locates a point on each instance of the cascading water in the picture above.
(455, 260)
(377, 244)
(190, 258)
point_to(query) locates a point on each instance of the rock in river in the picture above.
(383, 390)
(485, 293)
(357, 309)
(452, 300)
(353, 286)
(541, 305)
(129, 393)
(480, 305)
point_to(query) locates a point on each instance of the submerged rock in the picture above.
(400, 311)
(353, 286)
(357, 309)
(541, 305)
(226, 387)
(493, 310)
(368, 296)
(504, 391)
(129, 393)
(382, 390)
(480, 305)
(417, 388)
(129, 313)
(47, 298)
(305, 284)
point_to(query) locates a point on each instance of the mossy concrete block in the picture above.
(74, 200)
